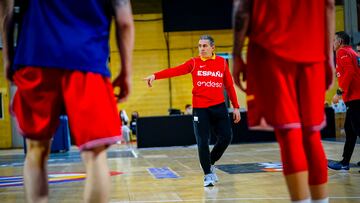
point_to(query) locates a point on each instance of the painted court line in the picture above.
(134, 153)
(162, 173)
(183, 165)
(156, 156)
(227, 199)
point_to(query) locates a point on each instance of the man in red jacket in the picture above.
(210, 75)
(289, 66)
(348, 74)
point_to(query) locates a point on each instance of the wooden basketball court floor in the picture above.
(173, 174)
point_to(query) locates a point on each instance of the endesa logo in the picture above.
(209, 84)
(210, 73)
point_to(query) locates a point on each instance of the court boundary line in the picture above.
(223, 199)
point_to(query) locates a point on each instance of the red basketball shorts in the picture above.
(286, 94)
(87, 98)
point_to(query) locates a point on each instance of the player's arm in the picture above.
(329, 40)
(124, 24)
(7, 30)
(241, 18)
(182, 69)
(230, 89)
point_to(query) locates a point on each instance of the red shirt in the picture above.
(291, 29)
(348, 73)
(209, 79)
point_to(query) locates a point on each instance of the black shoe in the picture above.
(358, 163)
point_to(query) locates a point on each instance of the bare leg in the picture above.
(319, 191)
(35, 171)
(298, 185)
(97, 186)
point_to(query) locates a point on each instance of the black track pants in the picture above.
(352, 131)
(217, 118)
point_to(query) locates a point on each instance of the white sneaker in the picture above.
(209, 180)
(213, 171)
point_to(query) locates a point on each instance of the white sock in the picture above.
(325, 200)
(302, 201)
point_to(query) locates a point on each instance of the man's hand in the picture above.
(239, 67)
(335, 99)
(150, 79)
(123, 81)
(236, 115)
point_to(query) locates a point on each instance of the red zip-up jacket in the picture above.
(348, 73)
(209, 79)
